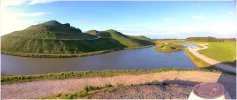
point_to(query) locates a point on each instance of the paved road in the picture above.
(211, 61)
(45, 88)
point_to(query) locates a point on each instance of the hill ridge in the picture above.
(52, 37)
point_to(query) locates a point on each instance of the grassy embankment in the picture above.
(222, 51)
(67, 55)
(198, 62)
(53, 39)
(10, 79)
(168, 47)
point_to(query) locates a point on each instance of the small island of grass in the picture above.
(168, 47)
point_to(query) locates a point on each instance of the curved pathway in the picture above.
(43, 88)
(211, 61)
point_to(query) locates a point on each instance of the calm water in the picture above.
(145, 58)
(190, 45)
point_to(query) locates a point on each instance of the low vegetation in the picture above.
(202, 39)
(210, 39)
(170, 40)
(40, 55)
(10, 79)
(80, 94)
(222, 51)
(168, 47)
(198, 62)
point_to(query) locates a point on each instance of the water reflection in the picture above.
(145, 58)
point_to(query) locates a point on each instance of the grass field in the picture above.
(222, 51)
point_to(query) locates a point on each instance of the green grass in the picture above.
(53, 39)
(66, 55)
(142, 38)
(222, 51)
(41, 46)
(202, 39)
(55, 55)
(80, 94)
(11, 79)
(198, 62)
(127, 40)
(169, 41)
(168, 47)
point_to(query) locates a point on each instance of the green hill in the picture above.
(142, 37)
(99, 33)
(92, 32)
(51, 30)
(52, 37)
(127, 40)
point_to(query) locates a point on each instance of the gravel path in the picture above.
(37, 89)
(211, 61)
(146, 91)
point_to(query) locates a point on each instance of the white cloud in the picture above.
(5, 3)
(223, 28)
(198, 17)
(42, 1)
(31, 14)
(13, 21)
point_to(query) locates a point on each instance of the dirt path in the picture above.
(45, 88)
(211, 61)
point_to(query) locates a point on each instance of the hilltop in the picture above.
(202, 39)
(53, 38)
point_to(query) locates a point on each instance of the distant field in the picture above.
(169, 41)
(222, 51)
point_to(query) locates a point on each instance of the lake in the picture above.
(145, 58)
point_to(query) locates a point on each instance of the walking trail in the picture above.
(216, 63)
(43, 88)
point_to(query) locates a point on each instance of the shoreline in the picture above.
(37, 55)
(196, 57)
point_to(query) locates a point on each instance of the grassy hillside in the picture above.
(141, 38)
(99, 33)
(48, 46)
(50, 30)
(92, 32)
(53, 37)
(222, 51)
(127, 40)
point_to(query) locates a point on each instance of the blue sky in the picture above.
(155, 19)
